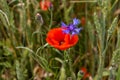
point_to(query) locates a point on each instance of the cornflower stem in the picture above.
(68, 62)
(65, 11)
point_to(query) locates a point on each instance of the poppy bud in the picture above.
(45, 5)
(83, 21)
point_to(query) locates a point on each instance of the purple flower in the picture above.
(71, 28)
(63, 25)
(76, 21)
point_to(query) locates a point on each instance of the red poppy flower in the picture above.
(45, 4)
(60, 40)
(85, 73)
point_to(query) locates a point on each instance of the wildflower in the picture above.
(45, 5)
(85, 73)
(83, 21)
(71, 28)
(60, 40)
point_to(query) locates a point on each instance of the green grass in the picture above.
(25, 54)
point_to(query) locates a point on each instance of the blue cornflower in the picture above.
(71, 28)
(76, 21)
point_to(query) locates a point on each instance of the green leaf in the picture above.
(91, 32)
(62, 74)
(20, 71)
(106, 72)
(118, 74)
(118, 38)
(4, 19)
(6, 64)
(116, 57)
(112, 27)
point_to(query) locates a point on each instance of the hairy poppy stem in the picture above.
(69, 63)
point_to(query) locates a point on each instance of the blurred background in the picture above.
(25, 54)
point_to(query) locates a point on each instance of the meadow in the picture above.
(59, 40)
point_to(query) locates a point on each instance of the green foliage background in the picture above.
(23, 29)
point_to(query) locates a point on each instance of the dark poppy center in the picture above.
(61, 42)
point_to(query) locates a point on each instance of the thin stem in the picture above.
(114, 4)
(100, 67)
(101, 62)
(51, 18)
(103, 48)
